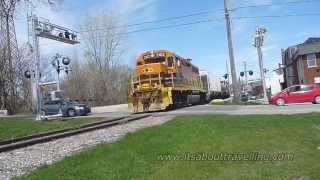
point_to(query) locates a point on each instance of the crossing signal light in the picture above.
(27, 74)
(265, 70)
(66, 61)
(67, 35)
(66, 69)
(58, 69)
(225, 76)
(241, 74)
(73, 37)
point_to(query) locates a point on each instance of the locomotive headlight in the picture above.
(147, 56)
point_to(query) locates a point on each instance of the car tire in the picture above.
(43, 113)
(280, 102)
(71, 113)
(317, 100)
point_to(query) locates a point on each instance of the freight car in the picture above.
(214, 86)
(164, 80)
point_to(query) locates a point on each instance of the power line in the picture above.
(174, 25)
(153, 29)
(217, 20)
(197, 14)
(204, 21)
(275, 4)
(162, 27)
(277, 16)
(156, 20)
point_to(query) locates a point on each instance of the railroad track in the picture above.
(17, 143)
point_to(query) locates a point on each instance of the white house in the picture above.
(273, 81)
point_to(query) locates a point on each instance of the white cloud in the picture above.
(140, 7)
(128, 11)
(235, 3)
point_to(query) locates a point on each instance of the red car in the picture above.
(297, 94)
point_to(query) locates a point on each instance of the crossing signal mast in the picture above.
(60, 63)
(245, 75)
(44, 29)
(258, 43)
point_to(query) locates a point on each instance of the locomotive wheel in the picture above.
(170, 107)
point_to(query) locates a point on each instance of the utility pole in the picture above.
(258, 43)
(235, 89)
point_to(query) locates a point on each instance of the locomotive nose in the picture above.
(151, 69)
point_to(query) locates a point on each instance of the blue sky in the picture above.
(204, 43)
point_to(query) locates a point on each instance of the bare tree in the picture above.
(103, 52)
(22, 83)
(11, 60)
(101, 76)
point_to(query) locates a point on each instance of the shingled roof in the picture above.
(310, 46)
(312, 40)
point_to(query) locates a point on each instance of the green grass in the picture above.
(13, 127)
(136, 155)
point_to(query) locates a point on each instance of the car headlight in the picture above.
(78, 108)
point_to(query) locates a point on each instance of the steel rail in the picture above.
(26, 141)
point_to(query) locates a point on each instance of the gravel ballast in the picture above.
(24, 160)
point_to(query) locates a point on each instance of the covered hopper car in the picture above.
(214, 86)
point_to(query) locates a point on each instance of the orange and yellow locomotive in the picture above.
(164, 80)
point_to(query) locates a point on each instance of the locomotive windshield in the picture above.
(155, 60)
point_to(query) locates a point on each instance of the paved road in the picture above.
(219, 109)
(251, 109)
(122, 110)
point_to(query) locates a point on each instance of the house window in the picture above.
(311, 60)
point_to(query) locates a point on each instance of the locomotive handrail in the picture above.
(172, 80)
